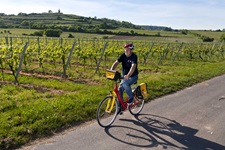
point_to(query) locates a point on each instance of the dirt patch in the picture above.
(120, 37)
(34, 87)
(42, 89)
(59, 77)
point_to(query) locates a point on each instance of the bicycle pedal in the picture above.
(120, 112)
(129, 106)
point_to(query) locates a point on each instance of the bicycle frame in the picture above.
(123, 104)
(117, 93)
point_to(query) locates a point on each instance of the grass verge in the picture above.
(40, 107)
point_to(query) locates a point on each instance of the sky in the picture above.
(177, 14)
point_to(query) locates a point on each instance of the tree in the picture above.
(132, 32)
(22, 14)
(70, 36)
(38, 33)
(207, 39)
(96, 29)
(59, 18)
(168, 29)
(185, 32)
(53, 32)
(25, 23)
(38, 26)
(2, 24)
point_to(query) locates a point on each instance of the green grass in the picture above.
(20, 32)
(165, 35)
(39, 107)
(216, 34)
(16, 32)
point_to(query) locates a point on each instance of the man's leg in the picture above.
(126, 85)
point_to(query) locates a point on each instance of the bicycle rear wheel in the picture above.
(137, 106)
(107, 111)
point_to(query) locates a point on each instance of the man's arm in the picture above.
(115, 64)
(132, 69)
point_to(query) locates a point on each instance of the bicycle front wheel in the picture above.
(107, 111)
(137, 106)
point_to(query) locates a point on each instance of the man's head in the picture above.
(129, 45)
(128, 49)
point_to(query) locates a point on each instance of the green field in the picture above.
(44, 103)
(168, 36)
(19, 32)
(42, 106)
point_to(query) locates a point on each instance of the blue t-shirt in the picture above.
(127, 63)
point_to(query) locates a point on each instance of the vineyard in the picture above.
(51, 84)
(83, 58)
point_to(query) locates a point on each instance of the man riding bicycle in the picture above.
(129, 70)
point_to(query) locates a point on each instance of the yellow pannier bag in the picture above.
(113, 75)
(143, 88)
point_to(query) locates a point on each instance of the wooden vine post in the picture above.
(145, 59)
(68, 61)
(21, 62)
(100, 59)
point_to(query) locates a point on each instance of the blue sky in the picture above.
(177, 14)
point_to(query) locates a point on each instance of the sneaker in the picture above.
(130, 101)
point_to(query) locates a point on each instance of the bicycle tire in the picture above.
(107, 111)
(137, 106)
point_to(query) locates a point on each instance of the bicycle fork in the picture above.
(111, 102)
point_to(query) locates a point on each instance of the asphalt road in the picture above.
(192, 119)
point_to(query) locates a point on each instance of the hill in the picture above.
(66, 22)
(71, 23)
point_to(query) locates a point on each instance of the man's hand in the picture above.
(126, 77)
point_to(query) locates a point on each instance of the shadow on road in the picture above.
(154, 131)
